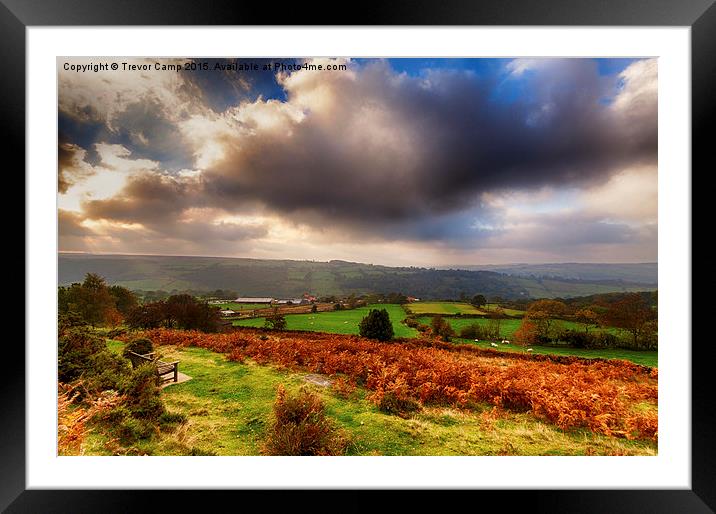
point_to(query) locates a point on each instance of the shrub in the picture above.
(376, 325)
(412, 322)
(477, 331)
(75, 346)
(168, 420)
(275, 321)
(131, 429)
(337, 307)
(314, 308)
(142, 393)
(442, 328)
(115, 415)
(108, 371)
(344, 387)
(301, 427)
(594, 339)
(391, 402)
(172, 417)
(116, 332)
(140, 345)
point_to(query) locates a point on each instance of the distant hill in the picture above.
(640, 273)
(287, 278)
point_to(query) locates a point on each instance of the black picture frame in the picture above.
(699, 15)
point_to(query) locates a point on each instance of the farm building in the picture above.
(267, 301)
(227, 312)
(293, 301)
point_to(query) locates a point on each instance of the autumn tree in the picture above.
(632, 314)
(148, 315)
(527, 333)
(124, 299)
(543, 314)
(91, 299)
(587, 318)
(442, 328)
(178, 311)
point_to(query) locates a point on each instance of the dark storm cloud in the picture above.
(376, 155)
(395, 148)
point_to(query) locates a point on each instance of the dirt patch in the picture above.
(320, 380)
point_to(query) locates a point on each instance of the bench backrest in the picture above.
(163, 368)
(139, 359)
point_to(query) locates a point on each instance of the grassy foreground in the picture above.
(229, 407)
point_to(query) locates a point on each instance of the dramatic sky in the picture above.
(399, 161)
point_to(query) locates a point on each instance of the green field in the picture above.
(508, 327)
(443, 308)
(645, 358)
(338, 322)
(229, 408)
(509, 312)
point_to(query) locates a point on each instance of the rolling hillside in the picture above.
(286, 278)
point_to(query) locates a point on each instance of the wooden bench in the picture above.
(163, 368)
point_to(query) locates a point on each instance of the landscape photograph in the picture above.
(357, 256)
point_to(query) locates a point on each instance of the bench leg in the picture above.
(176, 372)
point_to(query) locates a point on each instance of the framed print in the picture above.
(420, 249)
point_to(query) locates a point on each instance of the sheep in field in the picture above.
(529, 349)
(494, 344)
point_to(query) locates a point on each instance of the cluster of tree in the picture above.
(630, 312)
(353, 300)
(160, 294)
(96, 303)
(221, 294)
(487, 332)
(179, 311)
(431, 283)
(398, 298)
